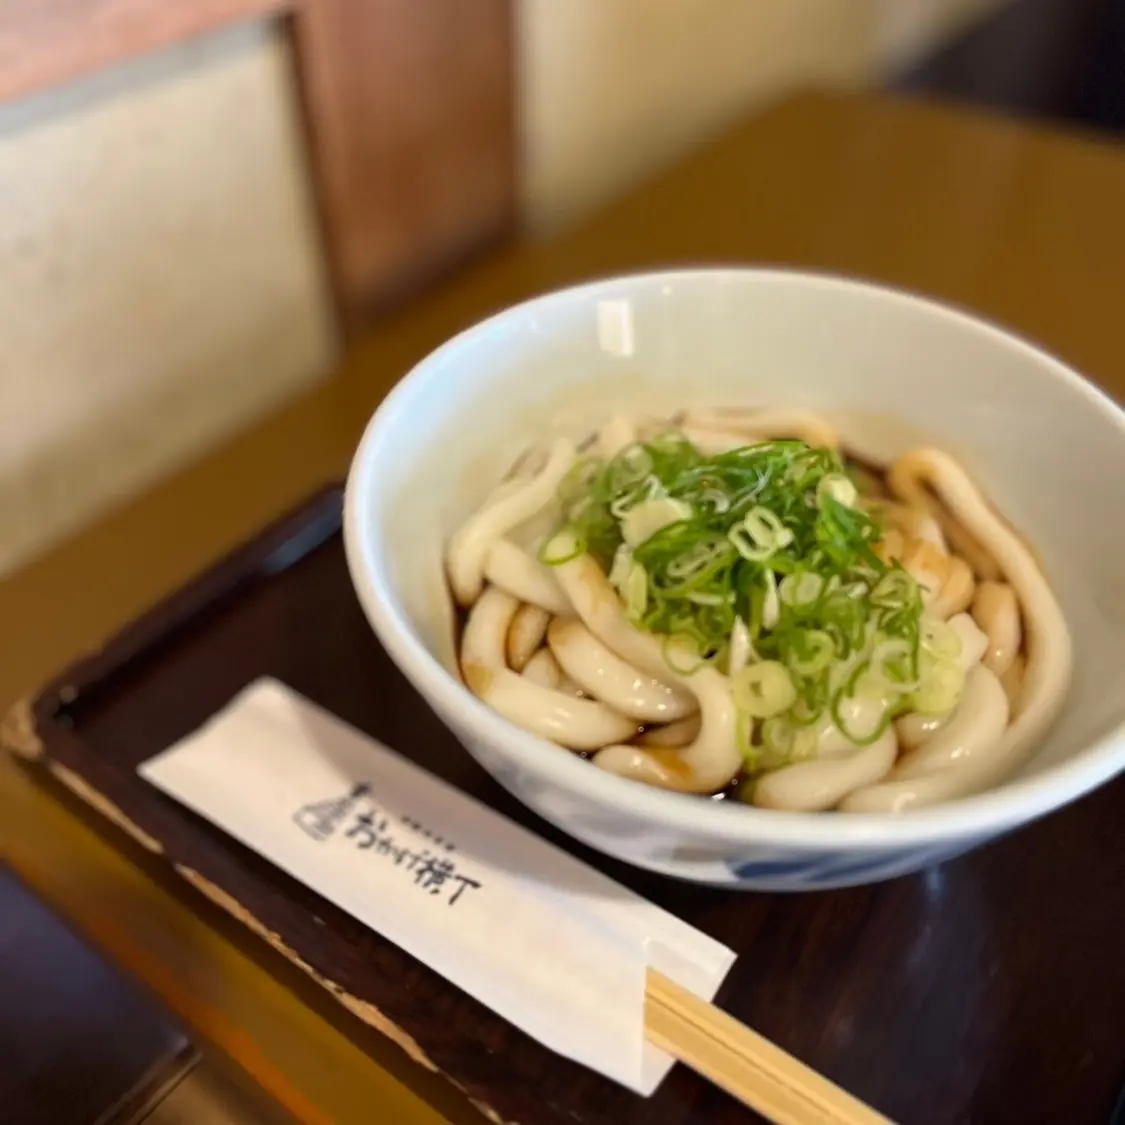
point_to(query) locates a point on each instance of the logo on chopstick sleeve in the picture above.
(402, 842)
(321, 819)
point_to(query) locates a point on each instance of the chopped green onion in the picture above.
(763, 689)
(681, 655)
(740, 650)
(760, 535)
(939, 639)
(647, 489)
(715, 499)
(771, 603)
(839, 488)
(636, 592)
(744, 736)
(786, 742)
(764, 554)
(697, 559)
(802, 590)
(940, 685)
(894, 590)
(622, 567)
(810, 652)
(848, 708)
(708, 599)
(745, 790)
(890, 663)
(561, 547)
(645, 519)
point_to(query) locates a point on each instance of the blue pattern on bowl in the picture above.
(823, 870)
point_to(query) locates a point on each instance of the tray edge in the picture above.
(18, 733)
(361, 1009)
(22, 736)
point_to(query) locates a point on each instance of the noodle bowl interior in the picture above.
(727, 602)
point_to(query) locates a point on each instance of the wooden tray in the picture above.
(990, 990)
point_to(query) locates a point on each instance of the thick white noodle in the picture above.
(569, 687)
(617, 434)
(741, 647)
(511, 568)
(906, 485)
(1049, 654)
(956, 594)
(1026, 647)
(712, 759)
(529, 462)
(916, 523)
(974, 642)
(996, 610)
(469, 546)
(525, 634)
(860, 714)
(711, 442)
(543, 669)
(660, 768)
(980, 717)
(946, 580)
(1012, 679)
(826, 780)
(948, 760)
(673, 736)
(916, 727)
(580, 724)
(595, 667)
(651, 425)
(765, 424)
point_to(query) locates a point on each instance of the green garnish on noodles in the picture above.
(763, 549)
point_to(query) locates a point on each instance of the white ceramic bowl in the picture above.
(894, 369)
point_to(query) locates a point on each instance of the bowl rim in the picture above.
(984, 814)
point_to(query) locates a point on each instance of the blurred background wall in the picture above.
(161, 275)
(612, 90)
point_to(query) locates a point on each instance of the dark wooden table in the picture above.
(81, 1043)
(1020, 223)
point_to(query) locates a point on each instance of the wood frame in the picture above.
(409, 104)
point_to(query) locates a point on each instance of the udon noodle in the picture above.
(728, 603)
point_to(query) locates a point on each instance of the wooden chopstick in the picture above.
(742, 1062)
